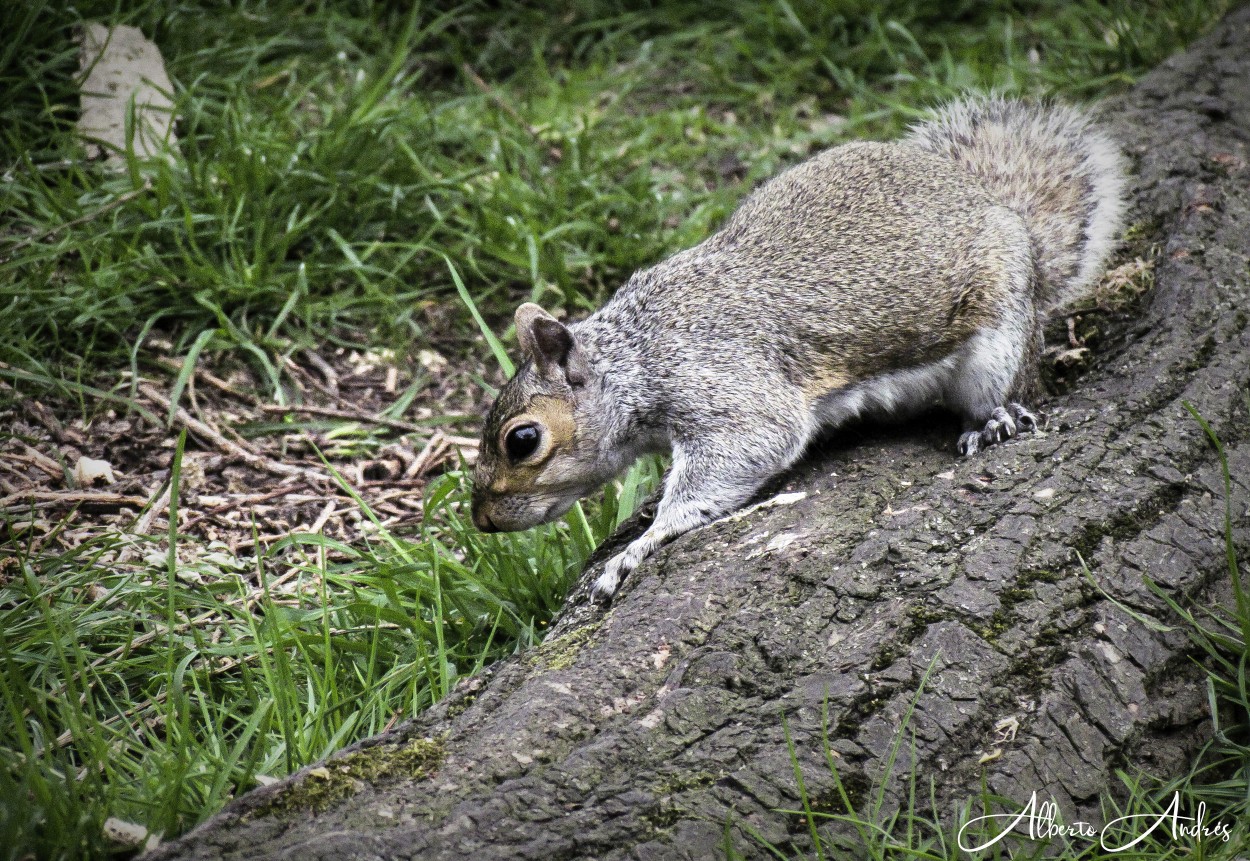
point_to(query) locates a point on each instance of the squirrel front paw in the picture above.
(606, 585)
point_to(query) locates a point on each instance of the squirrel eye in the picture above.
(521, 442)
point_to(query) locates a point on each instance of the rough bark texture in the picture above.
(636, 732)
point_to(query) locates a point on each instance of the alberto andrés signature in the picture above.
(1039, 822)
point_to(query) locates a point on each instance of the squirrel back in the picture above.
(872, 279)
(1051, 165)
(864, 259)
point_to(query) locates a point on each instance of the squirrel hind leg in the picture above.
(995, 368)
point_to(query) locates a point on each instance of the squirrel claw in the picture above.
(1000, 428)
(602, 590)
(970, 443)
(1004, 423)
(1026, 421)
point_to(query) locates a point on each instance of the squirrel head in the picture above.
(539, 449)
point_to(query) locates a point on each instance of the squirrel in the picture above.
(872, 279)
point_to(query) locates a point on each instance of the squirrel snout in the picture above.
(482, 520)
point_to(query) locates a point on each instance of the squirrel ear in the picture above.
(550, 344)
(526, 316)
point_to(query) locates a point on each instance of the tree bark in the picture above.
(641, 731)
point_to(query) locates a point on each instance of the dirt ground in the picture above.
(252, 472)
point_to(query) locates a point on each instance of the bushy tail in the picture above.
(1052, 165)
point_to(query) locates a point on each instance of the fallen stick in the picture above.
(328, 373)
(337, 413)
(34, 458)
(237, 450)
(250, 499)
(71, 497)
(159, 502)
(42, 414)
(208, 377)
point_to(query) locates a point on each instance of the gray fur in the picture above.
(873, 278)
(1048, 162)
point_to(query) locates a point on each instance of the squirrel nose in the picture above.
(482, 520)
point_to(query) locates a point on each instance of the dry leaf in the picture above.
(125, 833)
(991, 756)
(432, 361)
(88, 470)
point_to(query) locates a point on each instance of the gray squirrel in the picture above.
(872, 279)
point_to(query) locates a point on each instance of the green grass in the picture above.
(152, 681)
(333, 155)
(333, 158)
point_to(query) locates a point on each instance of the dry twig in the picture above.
(337, 413)
(235, 449)
(52, 498)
